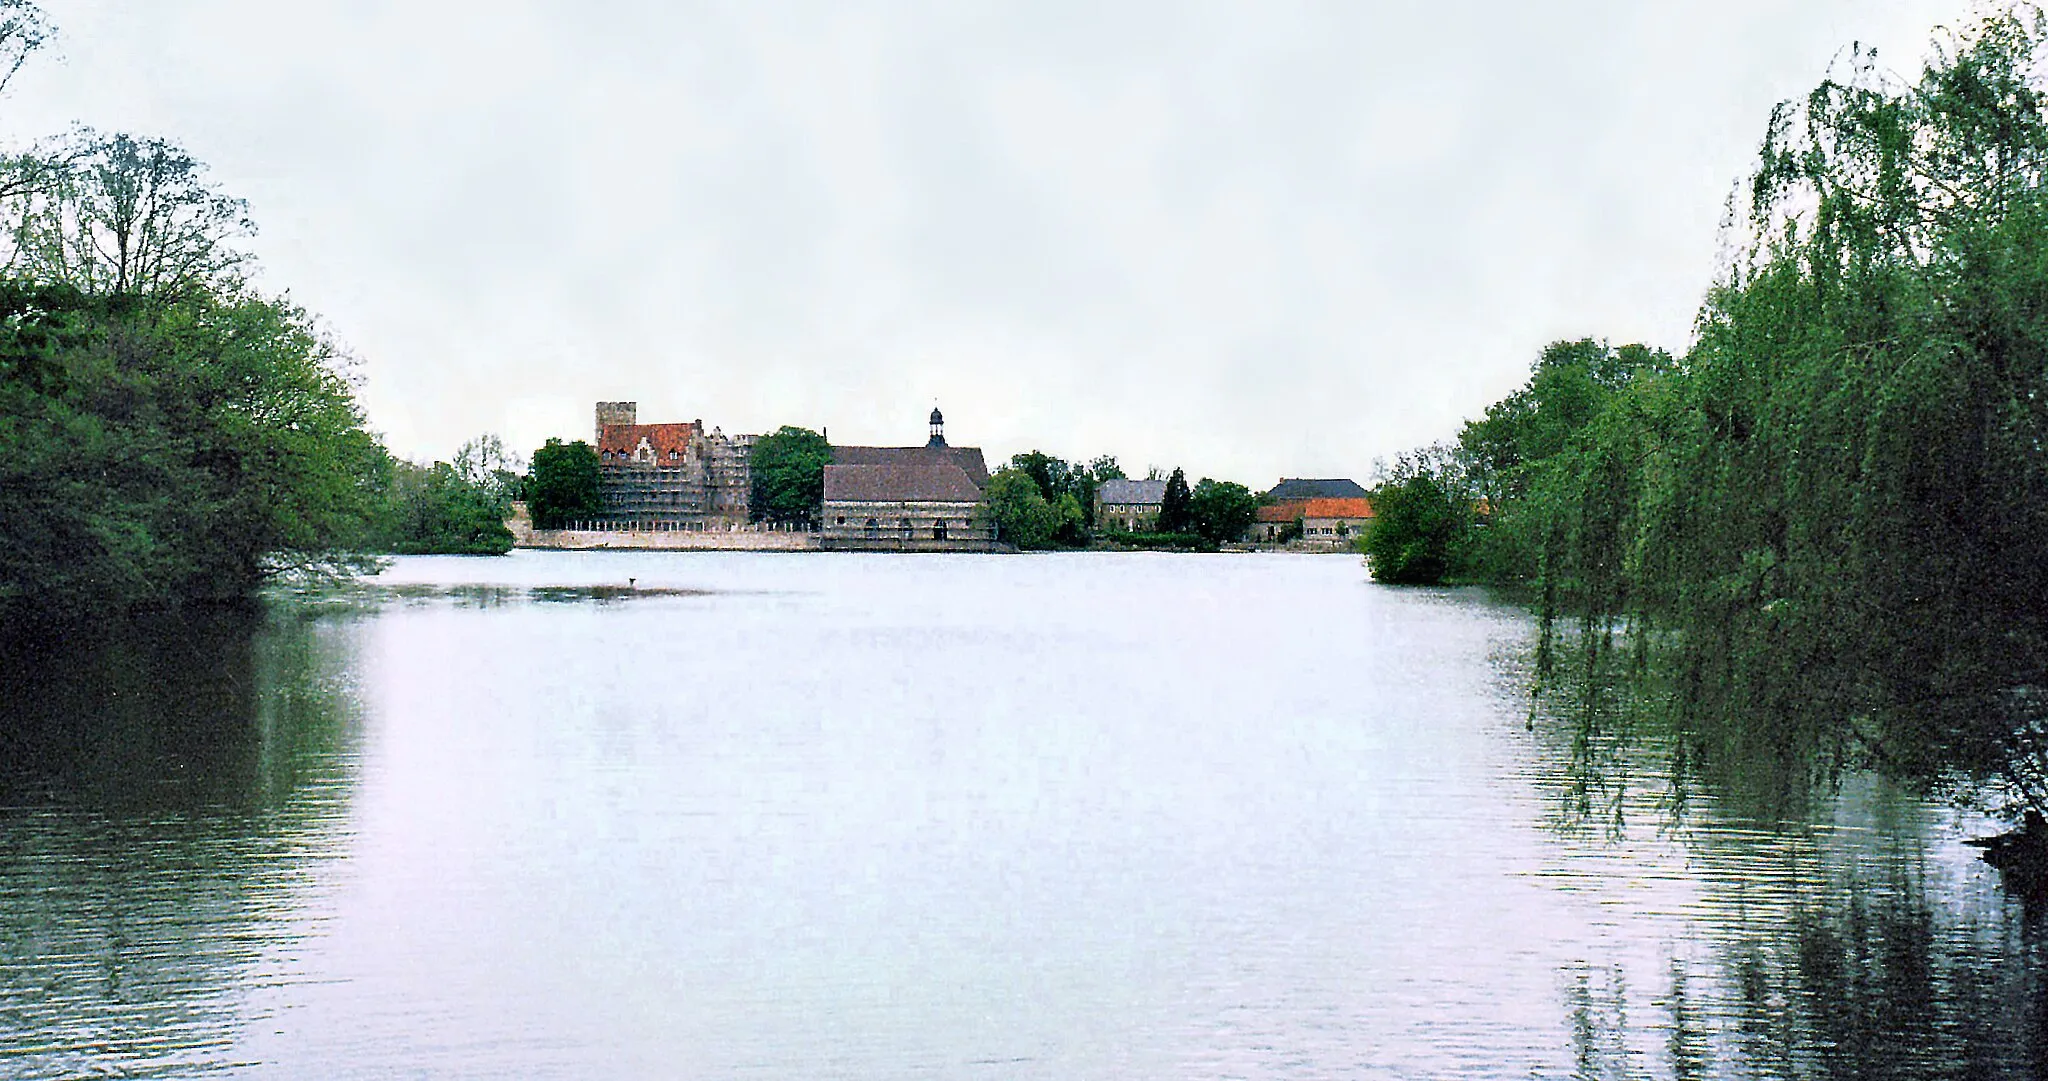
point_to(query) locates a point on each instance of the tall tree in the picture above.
(182, 458)
(1420, 510)
(131, 217)
(564, 485)
(789, 476)
(483, 464)
(1175, 515)
(1222, 510)
(1053, 476)
(1021, 513)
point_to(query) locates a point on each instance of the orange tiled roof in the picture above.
(1338, 508)
(1283, 513)
(624, 439)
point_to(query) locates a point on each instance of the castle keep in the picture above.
(670, 476)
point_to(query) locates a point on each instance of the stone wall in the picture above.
(739, 540)
(742, 539)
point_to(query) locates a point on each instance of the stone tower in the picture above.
(610, 413)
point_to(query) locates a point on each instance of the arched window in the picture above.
(874, 528)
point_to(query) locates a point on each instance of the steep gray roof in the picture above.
(1316, 489)
(927, 479)
(967, 458)
(1133, 491)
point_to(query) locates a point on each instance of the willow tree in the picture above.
(1830, 521)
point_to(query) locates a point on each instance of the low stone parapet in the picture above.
(738, 540)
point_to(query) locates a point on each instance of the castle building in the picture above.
(670, 476)
(924, 498)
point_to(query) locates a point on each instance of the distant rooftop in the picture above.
(925, 479)
(967, 458)
(1290, 489)
(1133, 491)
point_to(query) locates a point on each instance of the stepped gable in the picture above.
(967, 459)
(1289, 490)
(919, 479)
(624, 439)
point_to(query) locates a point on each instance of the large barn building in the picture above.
(924, 498)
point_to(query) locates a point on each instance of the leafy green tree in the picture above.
(1053, 476)
(1419, 513)
(1072, 530)
(1058, 480)
(1823, 536)
(436, 510)
(1222, 510)
(183, 457)
(1105, 468)
(789, 476)
(168, 437)
(1021, 514)
(1175, 515)
(564, 485)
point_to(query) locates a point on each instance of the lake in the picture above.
(809, 816)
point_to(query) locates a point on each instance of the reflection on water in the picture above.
(164, 790)
(707, 815)
(1837, 928)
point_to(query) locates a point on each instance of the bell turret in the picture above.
(938, 428)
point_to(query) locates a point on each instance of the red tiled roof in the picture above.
(1283, 513)
(624, 439)
(1338, 508)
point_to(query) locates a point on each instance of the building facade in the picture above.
(1335, 521)
(674, 476)
(921, 499)
(1329, 513)
(1129, 506)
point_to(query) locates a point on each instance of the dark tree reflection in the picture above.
(166, 790)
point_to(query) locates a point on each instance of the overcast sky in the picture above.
(1254, 239)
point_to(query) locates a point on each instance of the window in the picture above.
(939, 530)
(841, 520)
(874, 528)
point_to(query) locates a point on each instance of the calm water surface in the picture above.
(881, 817)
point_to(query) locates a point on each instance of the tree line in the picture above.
(1819, 537)
(170, 434)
